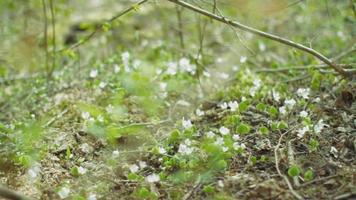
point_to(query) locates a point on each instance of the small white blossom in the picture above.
(220, 183)
(172, 68)
(316, 100)
(116, 153)
(63, 192)
(303, 92)
(161, 150)
(134, 168)
(224, 131)
(186, 66)
(125, 56)
(282, 110)
(238, 146)
(303, 114)
(257, 83)
(319, 126)
(261, 46)
(206, 74)
(185, 149)
(85, 115)
(225, 149)
(210, 134)
(109, 109)
(85, 148)
(276, 96)
(152, 178)
(223, 75)
(302, 131)
(243, 59)
(233, 105)
(142, 164)
(187, 124)
(162, 86)
(136, 63)
(100, 118)
(223, 105)
(199, 112)
(236, 137)
(187, 142)
(102, 85)
(116, 68)
(219, 141)
(92, 197)
(34, 171)
(93, 73)
(289, 103)
(253, 91)
(82, 170)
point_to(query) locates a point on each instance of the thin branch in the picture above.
(180, 27)
(279, 171)
(278, 39)
(98, 28)
(321, 66)
(344, 53)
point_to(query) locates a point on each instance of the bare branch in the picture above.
(278, 39)
(9, 194)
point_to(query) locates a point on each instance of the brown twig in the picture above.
(321, 66)
(99, 27)
(45, 32)
(279, 171)
(53, 21)
(278, 39)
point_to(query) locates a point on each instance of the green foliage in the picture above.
(293, 171)
(313, 145)
(264, 130)
(243, 129)
(309, 175)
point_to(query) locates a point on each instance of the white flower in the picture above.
(253, 91)
(116, 153)
(276, 96)
(206, 74)
(289, 103)
(225, 149)
(223, 75)
(187, 124)
(82, 170)
(125, 56)
(199, 112)
(223, 105)
(302, 131)
(109, 109)
(142, 164)
(187, 142)
(162, 86)
(134, 168)
(243, 59)
(172, 68)
(100, 118)
(238, 146)
(161, 150)
(303, 114)
(85, 115)
(136, 64)
(63, 192)
(102, 85)
(282, 110)
(116, 68)
(261, 46)
(236, 137)
(185, 149)
(224, 131)
(233, 105)
(220, 183)
(186, 66)
(92, 197)
(303, 92)
(93, 73)
(152, 178)
(316, 100)
(210, 134)
(34, 171)
(257, 83)
(319, 126)
(219, 141)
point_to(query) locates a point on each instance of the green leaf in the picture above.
(106, 26)
(313, 145)
(264, 130)
(243, 129)
(243, 106)
(293, 171)
(261, 106)
(74, 171)
(208, 189)
(143, 193)
(308, 175)
(273, 111)
(221, 165)
(282, 125)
